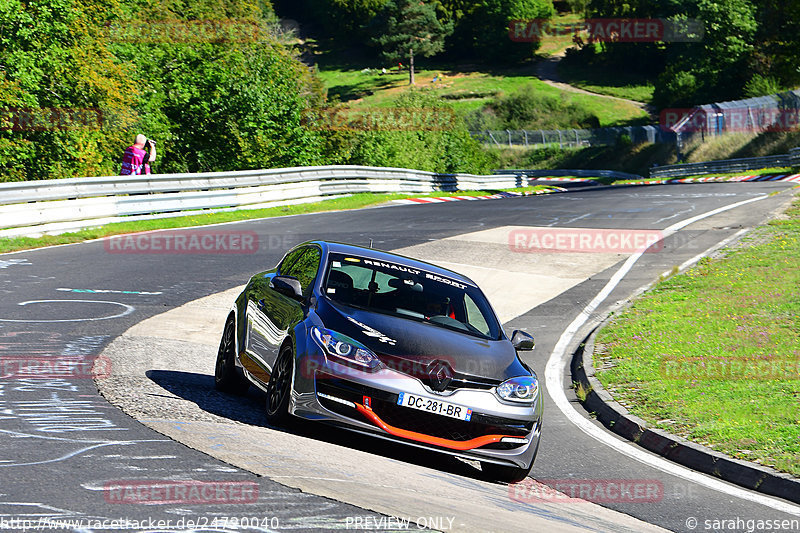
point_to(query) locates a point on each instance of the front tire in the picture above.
(227, 378)
(279, 389)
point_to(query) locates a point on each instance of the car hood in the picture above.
(410, 346)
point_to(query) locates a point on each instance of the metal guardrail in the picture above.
(572, 173)
(34, 207)
(794, 157)
(727, 165)
(37, 206)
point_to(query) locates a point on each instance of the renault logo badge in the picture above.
(439, 375)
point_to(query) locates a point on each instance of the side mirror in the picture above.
(288, 286)
(522, 341)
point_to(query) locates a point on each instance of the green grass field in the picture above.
(713, 354)
(359, 84)
(555, 44)
(598, 79)
(466, 90)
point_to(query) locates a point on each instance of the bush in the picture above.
(529, 109)
(761, 86)
(445, 146)
(624, 141)
(675, 88)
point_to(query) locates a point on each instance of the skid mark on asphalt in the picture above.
(5, 263)
(84, 445)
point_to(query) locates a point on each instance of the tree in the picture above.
(488, 24)
(410, 27)
(716, 68)
(53, 58)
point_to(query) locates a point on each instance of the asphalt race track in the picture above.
(154, 319)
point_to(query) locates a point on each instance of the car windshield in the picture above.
(408, 292)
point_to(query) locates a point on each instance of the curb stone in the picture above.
(695, 456)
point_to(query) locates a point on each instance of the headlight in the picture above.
(345, 349)
(520, 390)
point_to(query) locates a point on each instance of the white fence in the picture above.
(33, 207)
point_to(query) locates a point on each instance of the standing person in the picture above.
(133, 161)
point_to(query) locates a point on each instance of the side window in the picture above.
(290, 258)
(303, 266)
(474, 316)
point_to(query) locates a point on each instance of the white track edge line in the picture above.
(554, 377)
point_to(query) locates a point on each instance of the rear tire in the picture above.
(279, 389)
(228, 378)
(505, 474)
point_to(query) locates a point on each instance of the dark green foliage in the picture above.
(762, 85)
(749, 47)
(341, 20)
(440, 142)
(488, 23)
(52, 56)
(207, 80)
(210, 80)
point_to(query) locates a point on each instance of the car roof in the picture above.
(380, 255)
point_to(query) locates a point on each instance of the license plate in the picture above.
(435, 406)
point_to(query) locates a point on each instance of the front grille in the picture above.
(460, 381)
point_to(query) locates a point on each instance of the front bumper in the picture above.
(367, 402)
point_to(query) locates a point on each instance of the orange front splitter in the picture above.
(471, 444)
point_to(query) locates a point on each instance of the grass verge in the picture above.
(354, 201)
(636, 159)
(467, 90)
(602, 80)
(759, 172)
(735, 145)
(713, 354)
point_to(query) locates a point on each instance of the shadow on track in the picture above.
(249, 409)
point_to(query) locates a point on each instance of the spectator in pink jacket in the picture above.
(133, 161)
